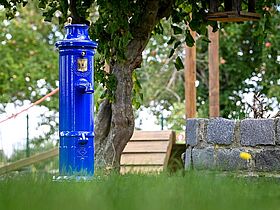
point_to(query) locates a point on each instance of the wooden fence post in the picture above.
(190, 78)
(214, 85)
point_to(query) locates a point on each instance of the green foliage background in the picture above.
(249, 63)
(29, 61)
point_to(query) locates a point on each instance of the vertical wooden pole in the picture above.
(251, 6)
(214, 85)
(228, 5)
(236, 5)
(190, 78)
(213, 6)
(27, 137)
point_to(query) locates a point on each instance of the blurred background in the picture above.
(29, 70)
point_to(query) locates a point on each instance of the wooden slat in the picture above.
(231, 19)
(233, 13)
(150, 135)
(143, 159)
(147, 152)
(146, 146)
(29, 161)
(141, 169)
(233, 16)
(169, 148)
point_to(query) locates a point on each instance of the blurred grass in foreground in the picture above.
(193, 191)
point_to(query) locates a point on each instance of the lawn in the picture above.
(192, 191)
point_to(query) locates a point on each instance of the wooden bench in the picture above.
(147, 151)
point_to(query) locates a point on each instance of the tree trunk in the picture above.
(115, 122)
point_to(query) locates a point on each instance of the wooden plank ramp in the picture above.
(28, 161)
(147, 151)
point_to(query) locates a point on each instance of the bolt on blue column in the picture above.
(76, 102)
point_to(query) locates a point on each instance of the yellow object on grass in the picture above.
(245, 155)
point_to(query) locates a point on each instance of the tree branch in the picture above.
(76, 18)
(142, 33)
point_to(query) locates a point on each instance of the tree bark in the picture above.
(115, 122)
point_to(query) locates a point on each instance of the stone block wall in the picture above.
(217, 143)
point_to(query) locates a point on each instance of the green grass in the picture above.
(194, 191)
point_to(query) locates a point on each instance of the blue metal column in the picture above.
(76, 102)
